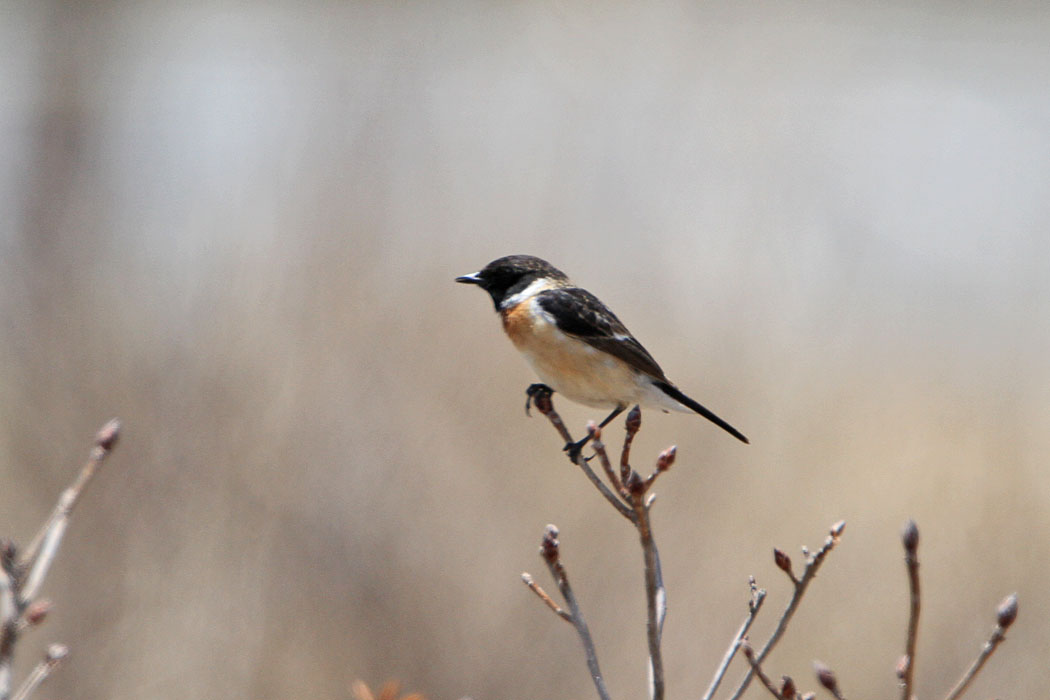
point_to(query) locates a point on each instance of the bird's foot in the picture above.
(540, 395)
(573, 449)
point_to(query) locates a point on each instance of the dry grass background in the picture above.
(235, 225)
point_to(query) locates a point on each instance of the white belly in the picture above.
(577, 370)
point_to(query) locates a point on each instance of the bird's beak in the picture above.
(469, 279)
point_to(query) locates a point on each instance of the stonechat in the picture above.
(575, 344)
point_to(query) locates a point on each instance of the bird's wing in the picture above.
(579, 313)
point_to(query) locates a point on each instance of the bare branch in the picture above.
(603, 459)
(542, 594)
(549, 549)
(655, 594)
(544, 405)
(906, 667)
(633, 503)
(1005, 616)
(664, 461)
(56, 653)
(813, 562)
(758, 596)
(8, 630)
(41, 552)
(22, 576)
(749, 654)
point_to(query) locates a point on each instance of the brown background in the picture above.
(235, 225)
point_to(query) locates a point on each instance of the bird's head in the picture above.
(507, 278)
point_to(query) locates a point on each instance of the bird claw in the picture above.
(573, 449)
(535, 394)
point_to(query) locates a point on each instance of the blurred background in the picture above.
(235, 226)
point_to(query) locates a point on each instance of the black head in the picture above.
(507, 276)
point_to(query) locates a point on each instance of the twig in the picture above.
(41, 552)
(655, 595)
(756, 668)
(544, 405)
(634, 503)
(549, 550)
(542, 594)
(813, 562)
(1005, 616)
(906, 667)
(655, 592)
(631, 427)
(603, 458)
(54, 656)
(20, 580)
(8, 630)
(826, 678)
(758, 596)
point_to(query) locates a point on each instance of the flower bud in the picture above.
(1007, 612)
(910, 537)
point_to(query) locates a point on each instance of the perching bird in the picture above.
(575, 344)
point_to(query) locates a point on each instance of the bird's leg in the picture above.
(574, 448)
(609, 418)
(534, 393)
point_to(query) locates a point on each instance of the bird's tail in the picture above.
(673, 391)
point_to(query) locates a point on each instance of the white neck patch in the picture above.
(534, 288)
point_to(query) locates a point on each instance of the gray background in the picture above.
(235, 225)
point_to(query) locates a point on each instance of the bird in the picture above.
(576, 345)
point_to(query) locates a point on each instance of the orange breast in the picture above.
(569, 365)
(518, 324)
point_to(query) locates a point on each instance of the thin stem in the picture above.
(603, 459)
(54, 656)
(542, 595)
(41, 551)
(986, 651)
(624, 510)
(545, 406)
(756, 668)
(552, 557)
(910, 539)
(8, 631)
(813, 563)
(655, 595)
(758, 596)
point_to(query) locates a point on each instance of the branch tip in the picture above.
(1007, 611)
(902, 666)
(666, 458)
(634, 421)
(37, 611)
(56, 652)
(107, 436)
(783, 562)
(549, 544)
(826, 677)
(910, 537)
